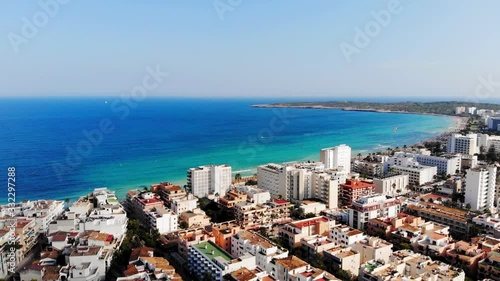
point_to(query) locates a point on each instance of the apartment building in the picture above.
(446, 164)
(406, 265)
(418, 175)
(316, 244)
(205, 180)
(337, 157)
(223, 232)
(264, 250)
(345, 236)
(480, 188)
(392, 185)
(464, 144)
(195, 218)
(373, 248)
(163, 220)
(325, 187)
(456, 219)
(372, 206)
(352, 190)
(183, 204)
(208, 258)
(344, 258)
(293, 232)
(232, 197)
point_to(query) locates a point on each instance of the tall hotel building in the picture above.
(338, 157)
(206, 180)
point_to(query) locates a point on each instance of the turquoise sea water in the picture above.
(159, 139)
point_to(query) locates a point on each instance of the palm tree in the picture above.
(359, 156)
(237, 177)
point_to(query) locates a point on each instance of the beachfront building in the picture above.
(208, 259)
(464, 144)
(393, 185)
(337, 157)
(139, 203)
(42, 211)
(368, 168)
(168, 192)
(205, 180)
(459, 110)
(372, 206)
(352, 190)
(486, 141)
(480, 188)
(448, 164)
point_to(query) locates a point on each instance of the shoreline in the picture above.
(345, 109)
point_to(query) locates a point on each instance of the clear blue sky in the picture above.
(261, 48)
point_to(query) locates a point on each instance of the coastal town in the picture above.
(426, 211)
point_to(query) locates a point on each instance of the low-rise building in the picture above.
(316, 244)
(393, 185)
(373, 248)
(265, 251)
(208, 259)
(456, 219)
(344, 258)
(195, 218)
(293, 232)
(345, 235)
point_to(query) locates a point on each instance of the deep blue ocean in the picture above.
(65, 147)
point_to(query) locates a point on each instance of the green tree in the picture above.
(237, 177)
(183, 225)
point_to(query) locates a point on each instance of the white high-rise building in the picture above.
(446, 164)
(480, 191)
(487, 141)
(292, 181)
(467, 144)
(206, 180)
(338, 157)
(326, 188)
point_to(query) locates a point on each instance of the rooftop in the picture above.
(357, 184)
(243, 274)
(291, 262)
(255, 239)
(212, 251)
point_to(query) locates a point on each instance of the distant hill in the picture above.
(441, 107)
